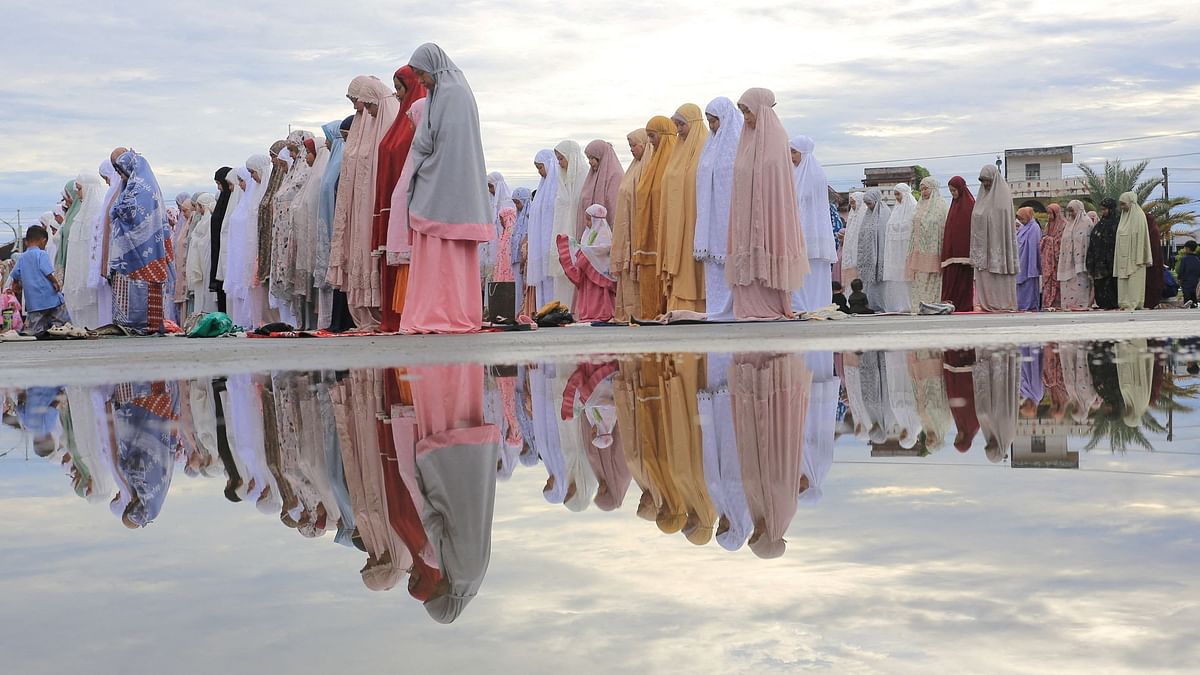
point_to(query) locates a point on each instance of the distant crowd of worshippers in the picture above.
(391, 223)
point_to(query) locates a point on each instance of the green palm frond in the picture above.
(1116, 180)
(1121, 438)
(1151, 423)
(1170, 212)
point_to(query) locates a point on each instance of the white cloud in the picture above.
(196, 89)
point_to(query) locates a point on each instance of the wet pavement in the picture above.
(990, 509)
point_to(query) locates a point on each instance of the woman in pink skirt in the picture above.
(767, 258)
(449, 213)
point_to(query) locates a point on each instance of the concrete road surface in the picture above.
(125, 359)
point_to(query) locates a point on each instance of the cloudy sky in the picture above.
(195, 86)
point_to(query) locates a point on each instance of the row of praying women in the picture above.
(377, 221)
(719, 216)
(391, 224)
(112, 246)
(976, 254)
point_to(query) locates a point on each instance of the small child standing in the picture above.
(34, 276)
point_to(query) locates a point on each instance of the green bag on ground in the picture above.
(214, 324)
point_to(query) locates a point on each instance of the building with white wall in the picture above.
(1036, 176)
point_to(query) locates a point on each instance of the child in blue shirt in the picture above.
(34, 276)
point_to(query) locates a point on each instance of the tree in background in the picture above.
(921, 174)
(1116, 180)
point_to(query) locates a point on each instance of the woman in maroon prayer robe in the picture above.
(958, 278)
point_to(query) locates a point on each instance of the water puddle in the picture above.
(731, 512)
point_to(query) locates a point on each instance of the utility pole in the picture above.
(1167, 213)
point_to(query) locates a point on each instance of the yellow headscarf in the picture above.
(647, 223)
(679, 191)
(622, 221)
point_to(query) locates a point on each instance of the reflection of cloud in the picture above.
(1037, 572)
(898, 491)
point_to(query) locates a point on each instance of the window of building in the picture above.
(1033, 172)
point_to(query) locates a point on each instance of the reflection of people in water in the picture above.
(1055, 380)
(638, 433)
(649, 416)
(528, 456)
(865, 388)
(958, 374)
(581, 482)
(38, 412)
(589, 393)
(1135, 375)
(905, 424)
(770, 402)
(301, 457)
(339, 506)
(456, 455)
(90, 473)
(547, 443)
(819, 422)
(505, 379)
(1077, 381)
(146, 431)
(684, 375)
(996, 376)
(929, 388)
(244, 419)
(358, 406)
(1032, 388)
(722, 467)
(233, 476)
(202, 408)
(404, 500)
(1103, 369)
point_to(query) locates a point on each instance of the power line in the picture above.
(1142, 138)
(915, 159)
(1146, 159)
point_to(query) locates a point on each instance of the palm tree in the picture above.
(1117, 180)
(1168, 214)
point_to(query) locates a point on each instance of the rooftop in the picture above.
(1048, 151)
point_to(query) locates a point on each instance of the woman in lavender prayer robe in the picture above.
(1029, 239)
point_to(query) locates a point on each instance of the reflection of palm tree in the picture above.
(1121, 437)
(1108, 422)
(1173, 394)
